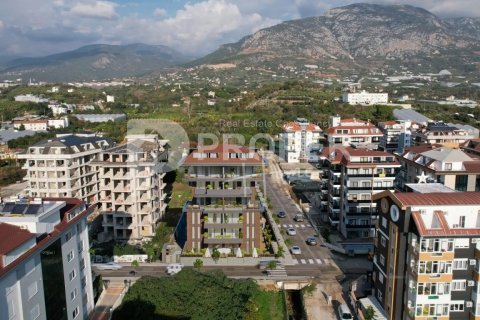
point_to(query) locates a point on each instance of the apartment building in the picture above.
(45, 270)
(354, 175)
(131, 187)
(396, 135)
(352, 132)
(440, 133)
(60, 167)
(454, 168)
(300, 141)
(427, 255)
(364, 97)
(224, 213)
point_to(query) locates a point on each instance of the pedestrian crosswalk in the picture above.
(311, 261)
(298, 226)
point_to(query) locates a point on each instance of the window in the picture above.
(82, 264)
(75, 313)
(384, 222)
(68, 236)
(73, 294)
(459, 285)
(461, 221)
(461, 182)
(70, 256)
(383, 241)
(379, 295)
(448, 166)
(460, 264)
(11, 308)
(382, 259)
(456, 306)
(32, 290)
(80, 247)
(35, 312)
(380, 278)
(72, 275)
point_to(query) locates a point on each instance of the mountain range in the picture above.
(357, 36)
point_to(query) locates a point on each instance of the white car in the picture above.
(291, 231)
(174, 268)
(296, 250)
(107, 266)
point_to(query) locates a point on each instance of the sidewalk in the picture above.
(110, 298)
(316, 304)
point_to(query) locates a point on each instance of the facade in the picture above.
(354, 176)
(300, 141)
(427, 256)
(30, 98)
(396, 135)
(58, 123)
(45, 270)
(453, 168)
(32, 124)
(101, 117)
(60, 167)
(131, 187)
(224, 213)
(364, 97)
(348, 132)
(441, 133)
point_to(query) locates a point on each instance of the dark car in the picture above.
(311, 241)
(281, 214)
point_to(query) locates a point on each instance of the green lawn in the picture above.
(180, 193)
(271, 304)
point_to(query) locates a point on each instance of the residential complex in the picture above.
(61, 166)
(103, 117)
(440, 133)
(354, 175)
(45, 268)
(224, 213)
(364, 97)
(299, 141)
(131, 187)
(396, 135)
(427, 256)
(454, 168)
(352, 132)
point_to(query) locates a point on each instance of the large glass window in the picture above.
(461, 182)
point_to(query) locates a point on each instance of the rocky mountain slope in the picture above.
(95, 62)
(359, 36)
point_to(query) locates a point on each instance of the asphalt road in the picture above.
(276, 189)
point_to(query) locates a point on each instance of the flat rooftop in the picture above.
(26, 209)
(428, 187)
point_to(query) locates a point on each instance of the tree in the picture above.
(369, 313)
(280, 252)
(135, 265)
(150, 253)
(216, 255)
(272, 265)
(198, 264)
(22, 127)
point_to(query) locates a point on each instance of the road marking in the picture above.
(326, 261)
(296, 226)
(310, 261)
(284, 225)
(302, 226)
(303, 261)
(319, 261)
(291, 226)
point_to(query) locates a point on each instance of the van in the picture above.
(174, 268)
(344, 312)
(299, 217)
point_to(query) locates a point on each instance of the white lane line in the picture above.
(296, 226)
(310, 261)
(291, 226)
(326, 261)
(303, 261)
(319, 261)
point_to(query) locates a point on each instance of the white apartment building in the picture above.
(31, 124)
(30, 98)
(397, 135)
(45, 270)
(131, 187)
(60, 167)
(58, 123)
(364, 97)
(299, 141)
(441, 133)
(352, 132)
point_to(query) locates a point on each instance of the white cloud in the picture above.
(58, 3)
(159, 12)
(96, 9)
(1, 25)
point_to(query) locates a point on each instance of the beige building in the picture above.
(440, 133)
(60, 167)
(131, 187)
(352, 132)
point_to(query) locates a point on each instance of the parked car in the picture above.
(299, 217)
(281, 214)
(311, 241)
(107, 266)
(344, 312)
(291, 231)
(174, 268)
(296, 250)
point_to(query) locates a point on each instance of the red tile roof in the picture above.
(438, 199)
(295, 126)
(11, 237)
(444, 230)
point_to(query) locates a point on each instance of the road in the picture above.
(277, 192)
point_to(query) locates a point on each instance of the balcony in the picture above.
(370, 188)
(241, 192)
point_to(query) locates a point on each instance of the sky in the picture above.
(195, 28)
